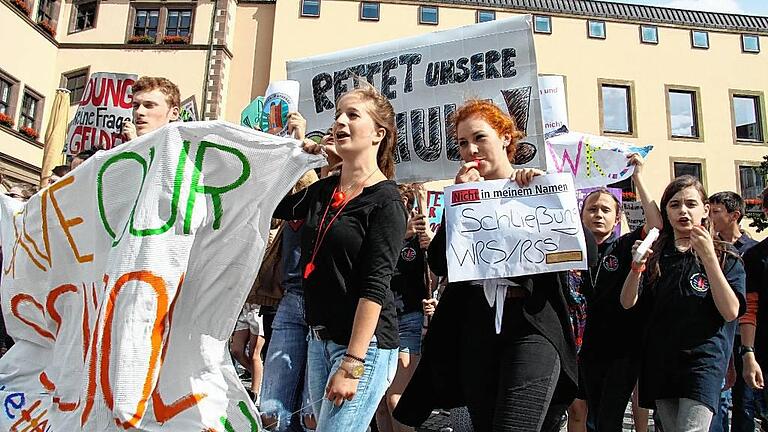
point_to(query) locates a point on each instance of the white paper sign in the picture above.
(498, 229)
(634, 213)
(106, 104)
(592, 160)
(281, 99)
(554, 108)
(426, 77)
(123, 281)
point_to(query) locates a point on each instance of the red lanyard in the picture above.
(310, 267)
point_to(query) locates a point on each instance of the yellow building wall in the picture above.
(249, 72)
(112, 22)
(185, 68)
(22, 61)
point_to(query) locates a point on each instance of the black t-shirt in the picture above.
(611, 331)
(408, 282)
(756, 267)
(688, 343)
(355, 260)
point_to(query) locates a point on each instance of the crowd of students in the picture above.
(352, 270)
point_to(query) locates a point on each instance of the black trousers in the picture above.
(508, 379)
(609, 385)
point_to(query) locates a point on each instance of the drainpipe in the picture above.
(208, 60)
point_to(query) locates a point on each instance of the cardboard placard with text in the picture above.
(497, 228)
(426, 78)
(106, 104)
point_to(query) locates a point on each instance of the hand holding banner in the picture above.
(497, 228)
(592, 160)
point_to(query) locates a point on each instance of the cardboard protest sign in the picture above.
(188, 110)
(635, 214)
(498, 229)
(106, 104)
(592, 160)
(250, 117)
(122, 282)
(426, 77)
(581, 195)
(554, 108)
(434, 209)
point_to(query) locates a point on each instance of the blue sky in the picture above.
(749, 7)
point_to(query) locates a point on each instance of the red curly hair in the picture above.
(495, 117)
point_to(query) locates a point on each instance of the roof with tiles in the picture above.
(622, 11)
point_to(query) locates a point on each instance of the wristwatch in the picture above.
(353, 367)
(745, 349)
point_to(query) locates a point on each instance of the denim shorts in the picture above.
(409, 329)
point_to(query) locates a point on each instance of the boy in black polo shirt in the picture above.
(754, 339)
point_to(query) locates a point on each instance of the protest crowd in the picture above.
(353, 324)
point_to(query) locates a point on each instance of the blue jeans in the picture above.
(324, 359)
(285, 389)
(720, 419)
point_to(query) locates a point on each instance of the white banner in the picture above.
(554, 107)
(426, 77)
(592, 160)
(106, 104)
(123, 281)
(498, 229)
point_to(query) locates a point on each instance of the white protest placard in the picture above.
(123, 282)
(281, 99)
(106, 104)
(188, 110)
(592, 160)
(498, 229)
(426, 78)
(635, 214)
(554, 107)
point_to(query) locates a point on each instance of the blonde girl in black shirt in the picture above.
(353, 232)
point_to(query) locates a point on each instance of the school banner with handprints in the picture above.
(122, 282)
(106, 104)
(426, 78)
(498, 229)
(592, 160)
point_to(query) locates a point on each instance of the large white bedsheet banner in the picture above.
(426, 77)
(123, 281)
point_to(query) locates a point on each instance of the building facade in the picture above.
(691, 83)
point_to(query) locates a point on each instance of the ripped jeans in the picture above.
(285, 389)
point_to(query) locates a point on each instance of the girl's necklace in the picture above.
(340, 194)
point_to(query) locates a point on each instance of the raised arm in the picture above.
(650, 207)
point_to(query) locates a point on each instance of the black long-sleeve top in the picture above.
(434, 382)
(355, 260)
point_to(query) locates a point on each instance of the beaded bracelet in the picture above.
(637, 269)
(348, 355)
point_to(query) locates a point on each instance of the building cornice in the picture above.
(21, 136)
(614, 11)
(141, 47)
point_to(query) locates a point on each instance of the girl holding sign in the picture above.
(609, 355)
(694, 287)
(519, 375)
(353, 231)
